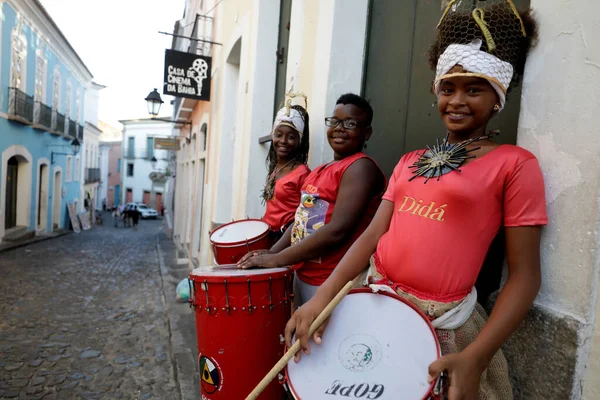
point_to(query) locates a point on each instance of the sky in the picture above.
(118, 41)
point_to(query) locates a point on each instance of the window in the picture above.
(69, 169)
(68, 91)
(41, 68)
(130, 169)
(131, 147)
(18, 65)
(77, 105)
(119, 165)
(56, 83)
(150, 147)
(76, 169)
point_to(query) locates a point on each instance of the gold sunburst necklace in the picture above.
(445, 157)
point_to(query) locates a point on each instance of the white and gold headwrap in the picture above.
(289, 116)
(477, 63)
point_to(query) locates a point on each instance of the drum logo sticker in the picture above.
(359, 353)
(211, 376)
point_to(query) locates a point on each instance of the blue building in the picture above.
(42, 90)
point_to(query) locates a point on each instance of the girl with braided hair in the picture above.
(446, 203)
(287, 167)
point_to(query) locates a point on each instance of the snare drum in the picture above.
(376, 346)
(240, 317)
(232, 241)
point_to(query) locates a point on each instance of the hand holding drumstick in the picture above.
(293, 349)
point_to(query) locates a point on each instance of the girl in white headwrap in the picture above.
(287, 167)
(446, 203)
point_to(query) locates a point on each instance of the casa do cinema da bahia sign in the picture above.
(187, 75)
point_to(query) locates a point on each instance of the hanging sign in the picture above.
(187, 75)
(166, 144)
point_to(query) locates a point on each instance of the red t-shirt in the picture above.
(440, 232)
(317, 203)
(281, 208)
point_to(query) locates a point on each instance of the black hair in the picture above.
(359, 102)
(301, 154)
(505, 28)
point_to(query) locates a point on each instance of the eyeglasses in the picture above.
(346, 123)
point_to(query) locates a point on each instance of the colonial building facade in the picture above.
(42, 88)
(143, 169)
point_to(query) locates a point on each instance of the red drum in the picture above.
(232, 241)
(240, 320)
(376, 346)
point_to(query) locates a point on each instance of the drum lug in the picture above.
(285, 290)
(249, 298)
(271, 306)
(207, 308)
(227, 308)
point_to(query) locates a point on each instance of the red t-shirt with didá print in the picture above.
(319, 194)
(281, 208)
(440, 232)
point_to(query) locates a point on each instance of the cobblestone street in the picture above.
(84, 316)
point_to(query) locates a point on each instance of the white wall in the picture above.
(91, 102)
(558, 123)
(103, 193)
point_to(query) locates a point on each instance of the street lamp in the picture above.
(154, 102)
(75, 146)
(153, 162)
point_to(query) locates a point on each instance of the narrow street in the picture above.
(84, 316)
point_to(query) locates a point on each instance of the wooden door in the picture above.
(12, 174)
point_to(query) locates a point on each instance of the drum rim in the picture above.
(268, 273)
(234, 244)
(289, 384)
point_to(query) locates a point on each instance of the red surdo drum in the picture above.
(240, 317)
(376, 346)
(232, 241)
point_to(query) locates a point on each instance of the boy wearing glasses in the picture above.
(338, 201)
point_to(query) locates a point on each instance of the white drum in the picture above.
(230, 242)
(376, 346)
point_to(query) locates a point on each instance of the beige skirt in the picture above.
(495, 382)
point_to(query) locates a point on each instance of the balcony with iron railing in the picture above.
(20, 106)
(42, 116)
(72, 128)
(92, 175)
(58, 122)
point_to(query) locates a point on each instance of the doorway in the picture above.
(12, 176)
(397, 81)
(42, 211)
(56, 200)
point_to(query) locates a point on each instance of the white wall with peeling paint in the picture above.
(559, 124)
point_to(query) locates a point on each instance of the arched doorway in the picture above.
(12, 185)
(56, 200)
(42, 200)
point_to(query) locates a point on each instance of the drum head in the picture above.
(239, 231)
(231, 270)
(375, 347)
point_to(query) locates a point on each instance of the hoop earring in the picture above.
(496, 108)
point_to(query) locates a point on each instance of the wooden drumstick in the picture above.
(296, 346)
